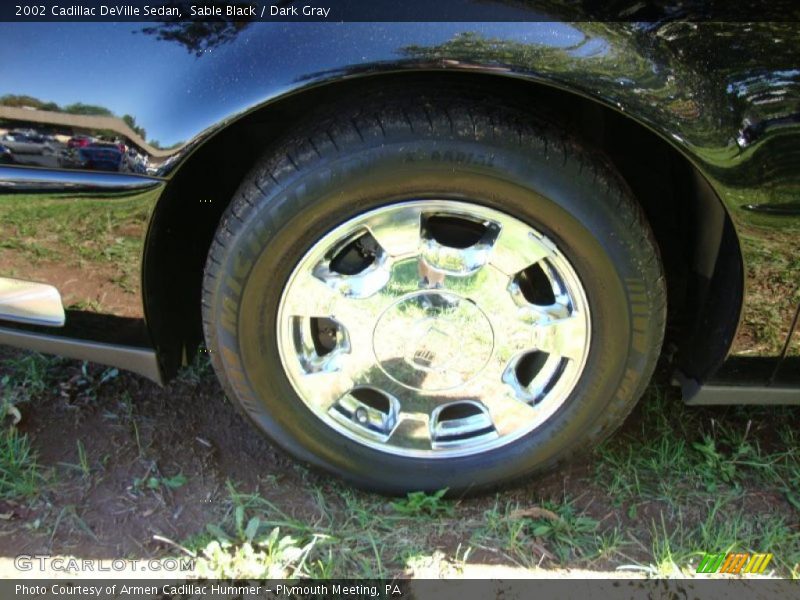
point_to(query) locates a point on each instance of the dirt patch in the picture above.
(130, 431)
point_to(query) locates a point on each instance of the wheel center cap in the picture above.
(433, 341)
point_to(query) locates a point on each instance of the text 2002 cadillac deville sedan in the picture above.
(419, 255)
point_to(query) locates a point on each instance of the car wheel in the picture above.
(429, 291)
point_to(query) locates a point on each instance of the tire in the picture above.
(473, 164)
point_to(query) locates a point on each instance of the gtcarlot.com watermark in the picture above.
(64, 564)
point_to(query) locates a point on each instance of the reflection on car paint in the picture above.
(86, 242)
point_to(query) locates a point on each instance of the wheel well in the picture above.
(698, 244)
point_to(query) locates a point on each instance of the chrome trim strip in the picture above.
(19, 179)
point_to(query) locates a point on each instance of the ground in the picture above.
(96, 463)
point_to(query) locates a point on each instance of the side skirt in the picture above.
(137, 360)
(755, 395)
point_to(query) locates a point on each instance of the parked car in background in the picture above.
(6, 156)
(28, 142)
(103, 156)
(79, 141)
(134, 161)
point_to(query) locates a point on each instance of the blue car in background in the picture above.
(100, 156)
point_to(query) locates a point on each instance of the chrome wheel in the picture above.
(433, 328)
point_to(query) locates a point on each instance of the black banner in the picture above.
(133, 589)
(395, 10)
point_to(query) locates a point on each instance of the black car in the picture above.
(418, 255)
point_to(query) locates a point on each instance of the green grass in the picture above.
(420, 503)
(20, 476)
(674, 483)
(83, 460)
(702, 479)
(24, 377)
(347, 534)
(158, 482)
(551, 533)
(199, 369)
(76, 230)
(353, 534)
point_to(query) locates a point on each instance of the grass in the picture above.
(20, 477)
(256, 538)
(705, 482)
(199, 370)
(659, 496)
(673, 484)
(156, 482)
(55, 228)
(354, 534)
(420, 503)
(25, 377)
(83, 460)
(91, 235)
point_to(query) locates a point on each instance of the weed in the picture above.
(86, 385)
(155, 482)
(26, 377)
(420, 503)
(20, 477)
(172, 483)
(198, 370)
(571, 534)
(83, 460)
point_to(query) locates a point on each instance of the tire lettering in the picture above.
(241, 265)
(460, 158)
(637, 294)
(229, 315)
(234, 286)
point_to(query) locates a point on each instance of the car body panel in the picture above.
(725, 95)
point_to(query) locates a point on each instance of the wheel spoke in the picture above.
(511, 332)
(360, 285)
(311, 297)
(517, 248)
(363, 370)
(563, 337)
(411, 434)
(552, 329)
(325, 389)
(489, 290)
(397, 232)
(507, 411)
